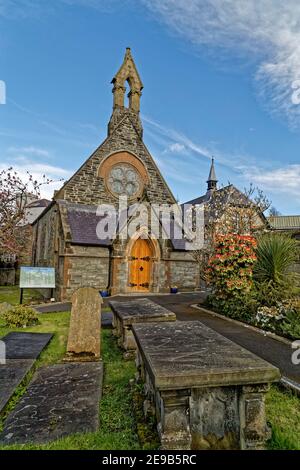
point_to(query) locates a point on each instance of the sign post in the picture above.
(21, 296)
(36, 278)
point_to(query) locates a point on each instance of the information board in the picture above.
(36, 277)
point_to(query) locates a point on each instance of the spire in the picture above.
(126, 73)
(212, 179)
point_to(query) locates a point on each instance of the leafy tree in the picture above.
(230, 212)
(230, 268)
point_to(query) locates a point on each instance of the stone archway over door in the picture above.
(140, 266)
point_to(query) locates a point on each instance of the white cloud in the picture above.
(37, 171)
(26, 162)
(35, 8)
(243, 168)
(175, 147)
(171, 139)
(284, 180)
(179, 140)
(23, 8)
(267, 31)
(102, 5)
(31, 150)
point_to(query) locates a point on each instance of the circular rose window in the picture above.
(124, 180)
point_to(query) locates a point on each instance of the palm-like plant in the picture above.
(276, 254)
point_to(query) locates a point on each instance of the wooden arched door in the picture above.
(140, 265)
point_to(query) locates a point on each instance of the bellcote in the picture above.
(127, 73)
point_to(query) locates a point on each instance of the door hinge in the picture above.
(145, 284)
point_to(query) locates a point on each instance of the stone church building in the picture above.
(65, 234)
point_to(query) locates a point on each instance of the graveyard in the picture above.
(118, 411)
(149, 230)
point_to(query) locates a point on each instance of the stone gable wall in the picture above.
(86, 187)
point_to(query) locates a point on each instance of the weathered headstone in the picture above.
(85, 325)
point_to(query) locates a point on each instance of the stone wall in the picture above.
(47, 244)
(83, 267)
(25, 257)
(45, 239)
(86, 187)
(184, 271)
(7, 276)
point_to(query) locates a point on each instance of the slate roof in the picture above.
(179, 244)
(199, 200)
(39, 203)
(212, 173)
(284, 222)
(228, 191)
(82, 221)
(83, 224)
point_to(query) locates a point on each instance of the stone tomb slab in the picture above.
(25, 345)
(62, 399)
(127, 313)
(206, 391)
(11, 375)
(22, 349)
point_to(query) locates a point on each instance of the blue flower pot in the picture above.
(174, 290)
(104, 293)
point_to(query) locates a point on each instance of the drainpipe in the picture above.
(109, 270)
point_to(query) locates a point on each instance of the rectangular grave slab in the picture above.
(25, 345)
(11, 375)
(206, 391)
(127, 313)
(62, 399)
(22, 349)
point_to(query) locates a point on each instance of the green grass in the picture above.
(56, 323)
(283, 413)
(121, 422)
(11, 295)
(118, 425)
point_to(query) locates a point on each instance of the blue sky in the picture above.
(221, 78)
